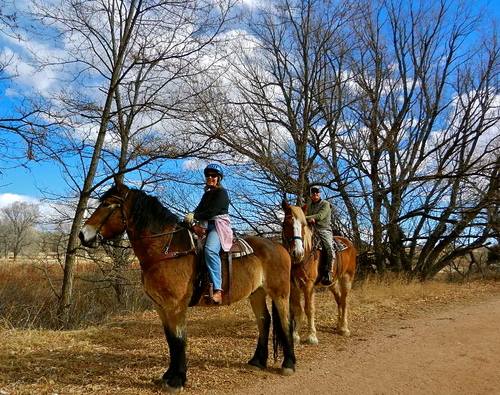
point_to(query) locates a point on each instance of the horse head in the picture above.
(108, 220)
(294, 231)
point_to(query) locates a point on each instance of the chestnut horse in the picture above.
(306, 260)
(169, 264)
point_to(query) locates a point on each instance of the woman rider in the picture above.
(212, 213)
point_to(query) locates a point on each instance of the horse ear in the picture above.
(304, 208)
(284, 204)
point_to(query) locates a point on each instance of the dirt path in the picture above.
(455, 352)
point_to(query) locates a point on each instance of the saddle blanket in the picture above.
(240, 248)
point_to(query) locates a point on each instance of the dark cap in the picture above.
(314, 188)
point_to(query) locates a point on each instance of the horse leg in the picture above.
(263, 318)
(345, 289)
(335, 288)
(297, 312)
(311, 337)
(283, 333)
(174, 326)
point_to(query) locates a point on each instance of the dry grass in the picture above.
(29, 294)
(128, 352)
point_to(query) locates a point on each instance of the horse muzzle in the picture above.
(297, 255)
(89, 238)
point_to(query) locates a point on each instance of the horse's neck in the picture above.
(146, 245)
(144, 249)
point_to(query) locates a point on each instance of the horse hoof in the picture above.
(313, 341)
(254, 368)
(286, 371)
(345, 333)
(163, 384)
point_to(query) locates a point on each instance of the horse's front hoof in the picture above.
(254, 368)
(165, 387)
(287, 371)
(345, 332)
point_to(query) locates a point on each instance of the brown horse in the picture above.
(306, 258)
(169, 266)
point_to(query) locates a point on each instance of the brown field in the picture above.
(124, 355)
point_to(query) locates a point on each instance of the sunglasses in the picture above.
(211, 176)
(314, 192)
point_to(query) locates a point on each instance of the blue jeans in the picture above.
(212, 257)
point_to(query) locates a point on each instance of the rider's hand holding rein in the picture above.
(189, 218)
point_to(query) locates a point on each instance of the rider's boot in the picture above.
(327, 278)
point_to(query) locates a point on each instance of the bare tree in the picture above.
(390, 105)
(263, 107)
(423, 130)
(19, 219)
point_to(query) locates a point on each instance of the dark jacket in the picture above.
(212, 203)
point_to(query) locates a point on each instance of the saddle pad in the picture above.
(338, 245)
(240, 248)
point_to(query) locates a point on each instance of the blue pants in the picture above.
(212, 257)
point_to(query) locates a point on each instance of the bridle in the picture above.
(122, 200)
(297, 237)
(166, 254)
(294, 237)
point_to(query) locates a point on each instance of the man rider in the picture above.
(319, 214)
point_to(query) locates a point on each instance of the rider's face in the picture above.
(315, 196)
(211, 179)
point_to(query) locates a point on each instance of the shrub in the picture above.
(29, 295)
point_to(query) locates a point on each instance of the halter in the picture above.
(314, 246)
(294, 237)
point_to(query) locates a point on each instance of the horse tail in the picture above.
(279, 336)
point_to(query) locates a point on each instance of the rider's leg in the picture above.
(213, 261)
(327, 268)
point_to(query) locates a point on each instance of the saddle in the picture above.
(203, 286)
(337, 245)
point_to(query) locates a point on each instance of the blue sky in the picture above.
(21, 184)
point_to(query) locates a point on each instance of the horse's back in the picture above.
(273, 257)
(265, 249)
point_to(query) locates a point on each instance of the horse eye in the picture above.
(106, 204)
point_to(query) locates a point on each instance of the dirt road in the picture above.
(452, 352)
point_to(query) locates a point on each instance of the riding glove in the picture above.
(189, 218)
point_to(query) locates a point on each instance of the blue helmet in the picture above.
(214, 168)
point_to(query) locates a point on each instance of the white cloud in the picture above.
(47, 211)
(7, 199)
(193, 164)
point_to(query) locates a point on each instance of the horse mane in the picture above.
(146, 212)
(298, 213)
